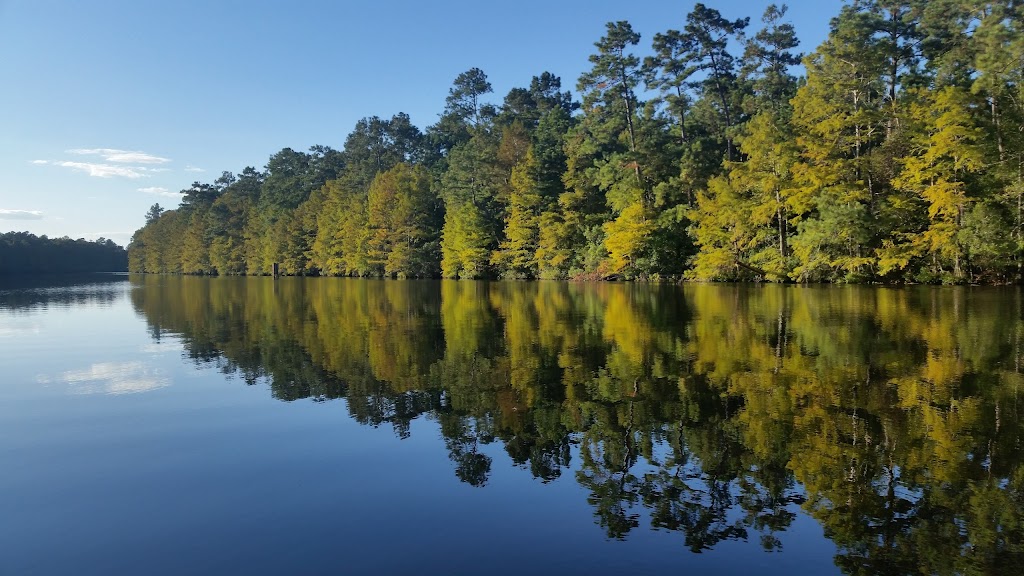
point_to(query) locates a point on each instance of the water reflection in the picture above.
(891, 416)
(33, 293)
(113, 378)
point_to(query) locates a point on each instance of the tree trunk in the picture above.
(999, 136)
(725, 106)
(629, 119)
(1020, 192)
(780, 215)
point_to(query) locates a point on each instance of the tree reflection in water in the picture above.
(891, 416)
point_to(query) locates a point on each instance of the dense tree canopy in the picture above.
(24, 253)
(896, 157)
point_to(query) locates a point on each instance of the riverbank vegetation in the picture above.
(895, 154)
(23, 253)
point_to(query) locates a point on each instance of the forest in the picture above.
(715, 151)
(24, 253)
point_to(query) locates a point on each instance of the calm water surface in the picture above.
(167, 425)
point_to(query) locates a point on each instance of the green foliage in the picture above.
(898, 157)
(471, 189)
(516, 256)
(944, 160)
(23, 253)
(400, 223)
(743, 223)
(553, 256)
(626, 238)
(721, 230)
(465, 243)
(707, 35)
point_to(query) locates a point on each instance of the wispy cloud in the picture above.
(121, 156)
(104, 170)
(160, 191)
(111, 162)
(20, 214)
(190, 168)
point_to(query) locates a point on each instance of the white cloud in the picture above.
(20, 214)
(115, 378)
(121, 156)
(160, 191)
(103, 170)
(191, 168)
(121, 163)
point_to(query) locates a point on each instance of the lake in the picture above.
(184, 425)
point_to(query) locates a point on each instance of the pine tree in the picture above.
(839, 123)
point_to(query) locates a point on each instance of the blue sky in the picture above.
(109, 106)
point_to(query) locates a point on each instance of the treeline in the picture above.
(25, 253)
(891, 417)
(898, 157)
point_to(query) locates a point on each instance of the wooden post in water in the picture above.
(277, 271)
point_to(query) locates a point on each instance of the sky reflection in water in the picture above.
(552, 427)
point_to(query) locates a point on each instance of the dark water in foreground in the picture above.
(166, 425)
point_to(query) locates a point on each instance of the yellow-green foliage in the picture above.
(898, 157)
